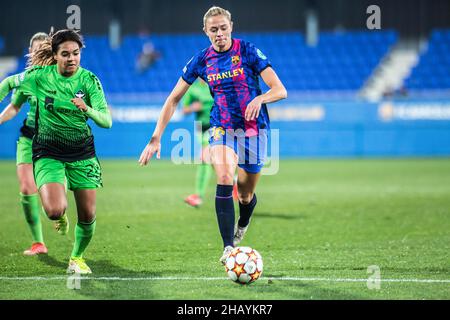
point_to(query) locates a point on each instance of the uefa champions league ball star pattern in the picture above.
(244, 265)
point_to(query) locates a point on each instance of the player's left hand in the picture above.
(79, 103)
(253, 108)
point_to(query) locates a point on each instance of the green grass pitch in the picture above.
(319, 225)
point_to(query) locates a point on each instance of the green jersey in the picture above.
(61, 129)
(18, 99)
(199, 91)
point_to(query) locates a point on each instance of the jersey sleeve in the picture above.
(6, 86)
(25, 80)
(97, 107)
(18, 98)
(10, 83)
(257, 59)
(192, 69)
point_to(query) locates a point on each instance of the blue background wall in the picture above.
(340, 129)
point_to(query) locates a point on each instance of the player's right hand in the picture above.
(154, 146)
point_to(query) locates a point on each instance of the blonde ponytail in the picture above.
(42, 56)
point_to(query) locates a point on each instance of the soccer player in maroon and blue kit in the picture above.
(239, 118)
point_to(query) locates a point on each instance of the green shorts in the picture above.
(24, 152)
(81, 174)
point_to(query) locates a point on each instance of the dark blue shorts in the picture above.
(251, 151)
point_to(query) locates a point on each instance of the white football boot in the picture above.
(226, 252)
(239, 233)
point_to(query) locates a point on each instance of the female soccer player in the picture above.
(29, 197)
(239, 118)
(63, 145)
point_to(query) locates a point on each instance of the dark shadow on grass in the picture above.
(283, 216)
(400, 270)
(49, 260)
(304, 290)
(110, 289)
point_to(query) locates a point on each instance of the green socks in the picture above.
(203, 175)
(31, 209)
(83, 235)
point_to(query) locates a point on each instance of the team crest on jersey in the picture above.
(218, 133)
(235, 59)
(80, 94)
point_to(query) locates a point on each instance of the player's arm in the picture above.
(186, 102)
(97, 108)
(25, 80)
(102, 117)
(168, 109)
(8, 113)
(7, 85)
(276, 92)
(13, 108)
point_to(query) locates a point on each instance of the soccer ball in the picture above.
(244, 265)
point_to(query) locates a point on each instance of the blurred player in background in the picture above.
(63, 145)
(239, 118)
(147, 57)
(29, 197)
(198, 100)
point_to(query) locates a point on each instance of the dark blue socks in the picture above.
(246, 211)
(225, 213)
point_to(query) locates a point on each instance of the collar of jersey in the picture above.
(61, 77)
(222, 52)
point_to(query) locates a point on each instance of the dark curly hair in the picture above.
(44, 55)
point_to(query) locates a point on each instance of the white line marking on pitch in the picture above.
(219, 278)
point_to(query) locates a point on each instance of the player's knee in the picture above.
(55, 211)
(225, 178)
(87, 218)
(27, 187)
(245, 197)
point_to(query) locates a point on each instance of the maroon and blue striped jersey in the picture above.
(233, 79)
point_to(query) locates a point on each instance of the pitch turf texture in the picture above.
(319, 225)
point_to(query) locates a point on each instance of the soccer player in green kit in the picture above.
(63, 146)
(198, 99)
(29, 197)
